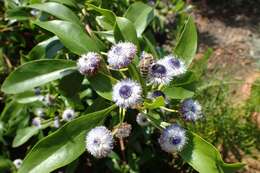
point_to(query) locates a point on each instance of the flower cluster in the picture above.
(131, 94)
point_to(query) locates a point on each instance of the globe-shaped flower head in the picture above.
(99, 142)
(177, 65)
(141, 119)
(121, 55)
(68, 114)
(173, 138)
(160, 72)
(17, 163)
(88, 64)
(191, 110)
(36, 122)
(127, 93)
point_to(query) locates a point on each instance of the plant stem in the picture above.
(122, 148)
(168, 109)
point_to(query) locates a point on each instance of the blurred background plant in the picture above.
(232, 126)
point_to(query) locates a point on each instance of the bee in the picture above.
(145, 63)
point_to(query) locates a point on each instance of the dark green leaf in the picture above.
(27, 97)
(71, 35)
(58, 10)
(36, 73)
(204, 157)
(109, 16)
(71, 3)
(125, 30)
(18, 13)
(45, 49)
(177, 92)
(103, 85)
(63, 146)
(141, 15)
(187, 43)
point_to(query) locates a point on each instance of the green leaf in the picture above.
(63, 146)
(71, 3)
(24, 135)
(204, 157)
(5, 164)
(187, 43)
(158, 102)
(71, 35)
(108, 16)
(27, 97)
(177, 92)
(125, 31)
(102, 84)
(45, 49)
(18, 13)
(141, 15)
(36, 73)
(58, 10)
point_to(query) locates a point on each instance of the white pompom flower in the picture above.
(177, 65)
(141, 119)
(99, 142)
(56, 122)
(173, 139)
(39, 112)
(88, 64)
(36, 122)
(160, 73)
(18, 163)
(68, 114)
(127, 93)
(191, 110)
(121, 55)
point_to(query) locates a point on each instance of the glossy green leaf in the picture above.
(71, 3)
(125, 31)
(109, 16)
(36, 73)
(103, 85)
(45, 49)
(18, 13)
(104, 23)
(24, 135)
(158, 102)
(9, 109)
(141, 15)
(71, 35)
(187, 42)
(177, 92)
(27, 97)
(204, 157)
(58, 10)
(108, 35)
(63, 146)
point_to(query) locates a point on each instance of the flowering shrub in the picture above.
(108, 73)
